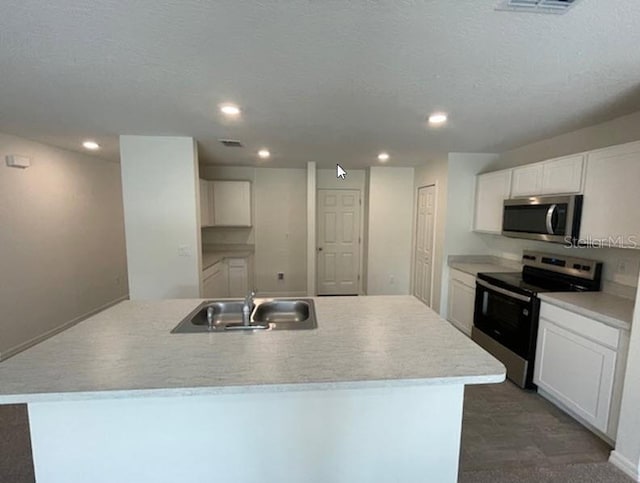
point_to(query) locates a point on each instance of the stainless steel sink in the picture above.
(267, 314)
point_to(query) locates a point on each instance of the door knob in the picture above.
(319, 249)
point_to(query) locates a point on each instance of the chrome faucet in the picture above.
(247, 308)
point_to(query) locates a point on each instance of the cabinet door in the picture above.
(232, 203)
(216, 285)
(461, 305)
(527, 180)
(563, 175)
(209, 287)
(205, 203)
(576, 371)
(238, 277)
(491, 191)
(611, 196)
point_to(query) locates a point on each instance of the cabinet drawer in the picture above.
(237, 262)
(583, 326)
(463, 278)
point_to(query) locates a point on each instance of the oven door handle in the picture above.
(502, 291)
(550, 212)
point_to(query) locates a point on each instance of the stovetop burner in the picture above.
(546, 273)
(514, 280)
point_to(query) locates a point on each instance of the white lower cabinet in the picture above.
(580, 365)
(227, 278)
(215, 281)
(462, 295)
(238, 277)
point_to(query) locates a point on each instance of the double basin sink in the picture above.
(266, 314)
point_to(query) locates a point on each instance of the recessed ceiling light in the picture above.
(91, 145)
(230, 109)
(437, 118)
(264, 153)
(384, 157)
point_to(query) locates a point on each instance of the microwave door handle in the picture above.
(550, 212)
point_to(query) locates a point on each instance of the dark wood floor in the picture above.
(16, 463)
(507, 428)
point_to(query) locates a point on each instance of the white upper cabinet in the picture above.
(527, 180)
(556, 176)
(491, 191)
(231, 203)
(206, 215)
(563, 175)
(611, 196)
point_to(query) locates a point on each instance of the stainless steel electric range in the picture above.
(507, 306)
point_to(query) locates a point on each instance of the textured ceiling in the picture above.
(325, 81)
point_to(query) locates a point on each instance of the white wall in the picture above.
(160, 193)
(617, 131)
(281, 231)
(354, 180)
(459, 237)
(62, 249)
(390, 230)
(627, 452)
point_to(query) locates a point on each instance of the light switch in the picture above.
(183, 251)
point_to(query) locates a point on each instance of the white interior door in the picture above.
(424, 244)
(338, 242)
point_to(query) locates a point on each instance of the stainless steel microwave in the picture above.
(547, 218)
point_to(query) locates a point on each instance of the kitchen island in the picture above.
(373, 394)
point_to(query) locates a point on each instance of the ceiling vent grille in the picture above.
(537, 6)
(231, 143)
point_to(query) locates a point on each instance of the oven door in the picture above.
(507, 317)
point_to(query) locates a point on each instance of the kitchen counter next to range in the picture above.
(212, 254)
(474, 264)
(128, 351)
(601, 306)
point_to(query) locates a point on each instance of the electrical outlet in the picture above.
(621, 267)
(280, 275)
(183, 251)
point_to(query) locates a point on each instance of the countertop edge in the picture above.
(605, 319)
(248, 389)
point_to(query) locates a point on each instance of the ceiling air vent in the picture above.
(537, 6)
(231, 143)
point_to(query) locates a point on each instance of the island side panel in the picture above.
(401, 434)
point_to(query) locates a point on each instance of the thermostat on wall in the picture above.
(16, 161)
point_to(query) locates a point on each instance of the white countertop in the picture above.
(128, 351)
(601, 306)
(474, 264)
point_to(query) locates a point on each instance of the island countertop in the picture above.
(128, 351)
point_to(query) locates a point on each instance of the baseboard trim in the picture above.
(624, 465)
(550, 397)
(12, 351)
